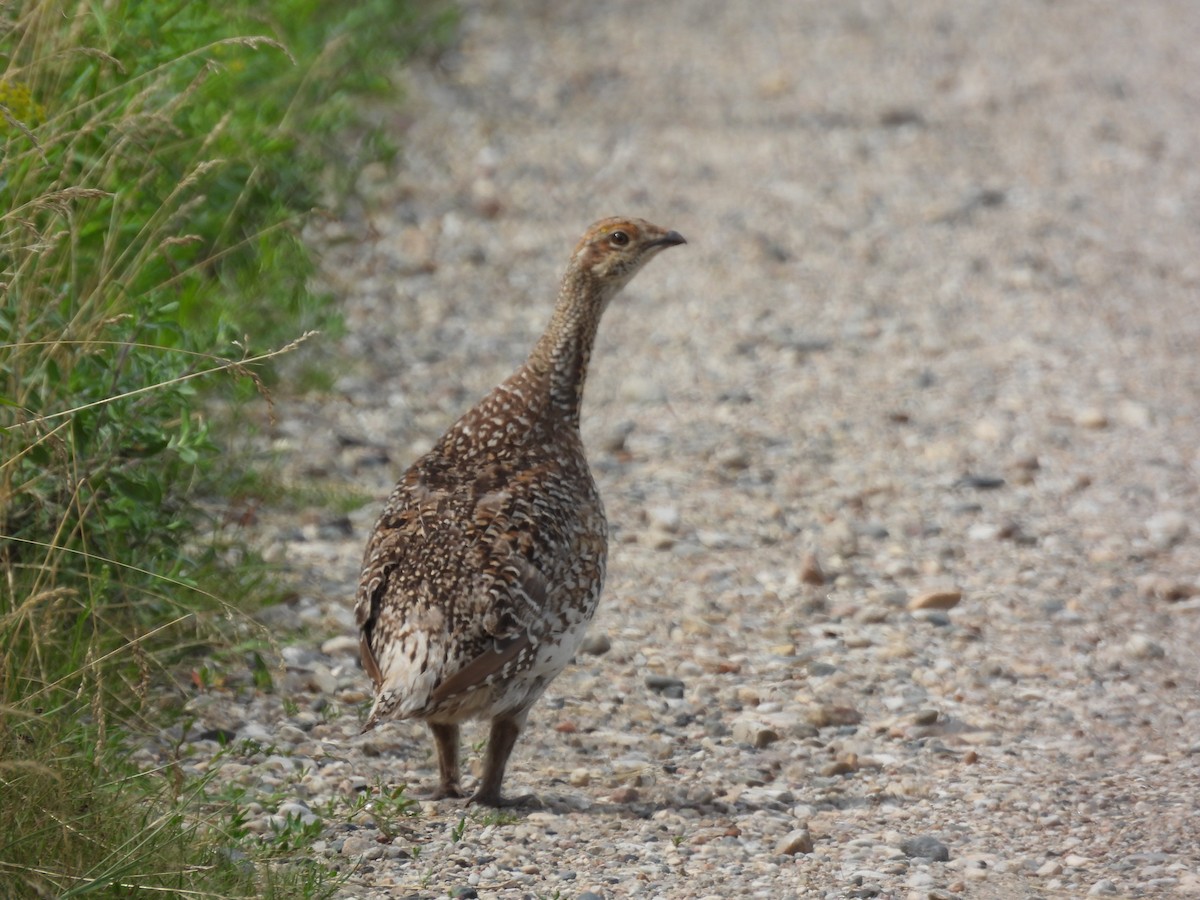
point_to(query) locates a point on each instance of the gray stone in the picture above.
(297, 810)
(255, 731)
(925, 847)
(596, 644)
(667, 685)
(771, 798)
(734, 458)
(289, 734)
(361, 845)
(936, 617)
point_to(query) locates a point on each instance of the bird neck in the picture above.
(559, 360)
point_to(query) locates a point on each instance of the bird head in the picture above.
(613, 250)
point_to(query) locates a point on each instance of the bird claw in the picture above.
(499, 802)
(447, 792)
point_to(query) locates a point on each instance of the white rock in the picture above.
(983, 531)
(343, 644)
(1133, 414)
(255, 731)
(666, 518)
(1167, 528)
(1140, 646)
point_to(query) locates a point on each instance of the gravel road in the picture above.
(901, 452)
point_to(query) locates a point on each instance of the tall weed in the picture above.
(156, 160)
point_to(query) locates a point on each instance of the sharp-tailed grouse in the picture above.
(485, 566)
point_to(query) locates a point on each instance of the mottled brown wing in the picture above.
(464, 549)
(506, 651)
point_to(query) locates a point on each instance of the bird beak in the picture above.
(670, 239)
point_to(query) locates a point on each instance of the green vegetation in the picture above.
(156, 163)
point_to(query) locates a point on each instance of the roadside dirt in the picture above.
(936, 329)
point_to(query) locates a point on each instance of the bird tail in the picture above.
(388, 705)
(375, 717)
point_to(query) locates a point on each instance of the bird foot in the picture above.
(499, 802)
(446, 792)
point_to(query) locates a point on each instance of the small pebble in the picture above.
(596, 644)
(846, 764)
(946, 599)
(981, 482)
(665, 518)
(734, 458)
(810, 570)
(1171, 590)
(613, 441)
(924, 717)
(640, 389)
(666, 685)
(794, 842)
(825, 716)
(754, 733)
(1141, 646)
(1091, 417)
(936, 617)
(1166, 529)
(341, 645)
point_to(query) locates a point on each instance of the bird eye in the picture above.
(618, 239)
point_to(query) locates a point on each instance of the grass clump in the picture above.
(156, 162)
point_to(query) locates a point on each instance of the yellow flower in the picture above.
(18, 103)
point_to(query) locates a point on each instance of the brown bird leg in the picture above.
(505, 731)
(445, 738)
